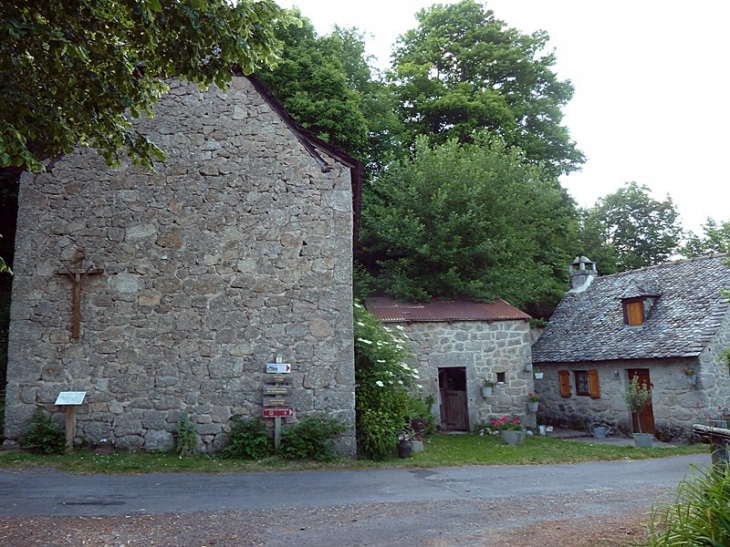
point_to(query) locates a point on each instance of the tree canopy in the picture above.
(462, 70)
(715, 239)
(631, 230)
(70, 71)
(473, 220)
(320, 81)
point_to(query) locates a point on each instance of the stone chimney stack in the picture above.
(582, 272)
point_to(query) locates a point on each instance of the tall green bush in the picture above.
(383, 378)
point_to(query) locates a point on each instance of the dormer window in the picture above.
(636, 310)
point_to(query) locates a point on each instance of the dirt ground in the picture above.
(333, 526)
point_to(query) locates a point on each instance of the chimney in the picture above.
(582, 272)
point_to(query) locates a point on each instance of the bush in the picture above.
(186, 443)
(311, 439)
(42, 436)
(248, 440)
(383, 378)
(700, 516)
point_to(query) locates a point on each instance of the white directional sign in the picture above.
(278, 368)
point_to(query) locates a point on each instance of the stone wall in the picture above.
(238, 249)
(484, 349)
(676, 404)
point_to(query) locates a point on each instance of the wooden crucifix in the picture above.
(77, 274)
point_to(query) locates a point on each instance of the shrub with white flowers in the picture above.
(383, 378)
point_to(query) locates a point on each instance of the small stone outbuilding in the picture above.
(236, 250)
(657, 323)
(459, 344)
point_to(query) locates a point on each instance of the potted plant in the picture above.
(405, 447)
(636, 397)
(510, 431)
(532, 401)
(538, 373)
(487, 387)
(690, 375)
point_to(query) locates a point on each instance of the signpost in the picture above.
(70, 399)
(276, 395)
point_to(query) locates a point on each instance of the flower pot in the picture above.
(532, 407)
(644, 440)
(528, 367)
(691, 380)
(487, 391)
(538, 375)
(541, 429)
(404, 449)
(417, 446)
(512, 436)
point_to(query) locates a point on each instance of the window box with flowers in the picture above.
(690, 375)
(532, 402)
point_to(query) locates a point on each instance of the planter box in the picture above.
(644, 440)
(512, 437)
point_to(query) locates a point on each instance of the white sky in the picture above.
(649, 76)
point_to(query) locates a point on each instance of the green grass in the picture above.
(441, 451)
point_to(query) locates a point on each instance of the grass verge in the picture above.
(440, 451)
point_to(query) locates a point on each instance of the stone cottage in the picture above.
(657, 323)
(459, 344)
(166, 292)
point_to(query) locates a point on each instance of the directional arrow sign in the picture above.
(278, 368)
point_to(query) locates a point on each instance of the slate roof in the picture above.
(688, 311)
(389, 310)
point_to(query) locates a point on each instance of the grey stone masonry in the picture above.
(484, 349)
(236, 250)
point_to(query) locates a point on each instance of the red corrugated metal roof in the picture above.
(387, 309)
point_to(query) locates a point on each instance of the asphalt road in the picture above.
(48, 492)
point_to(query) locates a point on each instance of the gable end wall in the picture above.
(239, 248)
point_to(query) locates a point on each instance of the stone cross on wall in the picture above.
(77, 274)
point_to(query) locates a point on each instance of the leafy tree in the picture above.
(326, 84)
(716, 239)
(312, 83)
(640, 230)
(461, 70)
(70, 71)
(471, 220)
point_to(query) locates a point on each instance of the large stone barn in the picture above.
(166, 292)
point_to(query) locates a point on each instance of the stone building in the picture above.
(238, 249)
(656, 323)
(459, 344)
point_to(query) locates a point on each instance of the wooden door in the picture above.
(647, 415)
(454, 405)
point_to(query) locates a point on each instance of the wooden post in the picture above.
(719, 442)
(70, 427)
(70, 400)
(277, 432)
